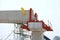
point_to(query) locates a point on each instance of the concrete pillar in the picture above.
(37, 35)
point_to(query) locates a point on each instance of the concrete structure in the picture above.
(14, 16)
(25, 24)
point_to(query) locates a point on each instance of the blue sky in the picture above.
(46, 10)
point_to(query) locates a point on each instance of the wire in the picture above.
(8, 36)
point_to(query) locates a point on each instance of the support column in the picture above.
(37, 35)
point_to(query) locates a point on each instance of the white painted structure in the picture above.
(35, 26)
(21, 34)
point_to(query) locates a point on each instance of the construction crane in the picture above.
(28, 26)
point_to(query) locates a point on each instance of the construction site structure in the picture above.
(28, 26)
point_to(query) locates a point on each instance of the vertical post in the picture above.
(37, 35)
(36, 16)
(30, 14)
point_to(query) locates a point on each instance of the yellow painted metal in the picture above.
(23, 11)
